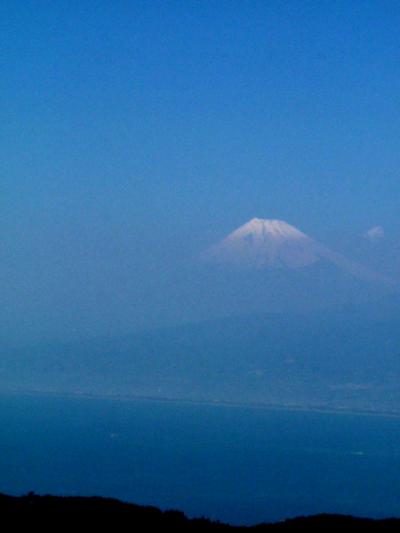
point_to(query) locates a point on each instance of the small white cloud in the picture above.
(375, 234)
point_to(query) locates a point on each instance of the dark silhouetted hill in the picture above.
(58, 513)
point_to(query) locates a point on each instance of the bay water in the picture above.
(242, 465)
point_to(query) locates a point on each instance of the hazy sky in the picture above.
(136, 133)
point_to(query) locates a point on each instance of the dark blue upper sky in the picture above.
(137, 132)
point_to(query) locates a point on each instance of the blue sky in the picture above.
(136, 133)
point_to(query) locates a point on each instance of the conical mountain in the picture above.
(265, 243)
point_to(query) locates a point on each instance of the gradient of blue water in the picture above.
(237, 464)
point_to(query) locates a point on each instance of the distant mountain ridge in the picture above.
(344, 359)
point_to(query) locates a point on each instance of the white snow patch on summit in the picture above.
(263, 242)
(268, 229)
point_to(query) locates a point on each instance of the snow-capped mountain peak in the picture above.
(269, 243)
(264, 242)
(260, 228)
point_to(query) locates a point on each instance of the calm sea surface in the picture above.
(237, 464)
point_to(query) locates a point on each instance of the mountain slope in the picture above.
(263, 243)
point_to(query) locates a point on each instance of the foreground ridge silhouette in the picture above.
(59, 511)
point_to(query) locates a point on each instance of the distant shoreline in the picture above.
(212, 403)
